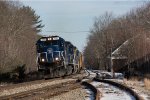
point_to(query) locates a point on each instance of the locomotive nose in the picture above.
(50, 55)
(43, 57)
(49, 50)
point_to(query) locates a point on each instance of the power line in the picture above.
(69, 31)
(54, 31)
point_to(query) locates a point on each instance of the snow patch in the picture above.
(110, 92)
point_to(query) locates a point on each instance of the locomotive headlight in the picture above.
(49, 38)
(56, 58)
(43, 60)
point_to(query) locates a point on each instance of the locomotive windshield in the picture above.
(55, 44)
(49, 43)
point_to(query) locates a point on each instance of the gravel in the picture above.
(31, 87)
(77, 94)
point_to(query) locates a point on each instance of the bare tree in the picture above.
(109, 33)
(97, 40)
(18, 34)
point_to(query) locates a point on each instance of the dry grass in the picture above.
(131, 81)
(147, 83)
(134, 78)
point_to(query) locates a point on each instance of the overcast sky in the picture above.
(72, 19)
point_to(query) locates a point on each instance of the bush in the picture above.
(147, 83)
(20, 70)
(4, 77)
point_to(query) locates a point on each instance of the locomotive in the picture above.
(57, 57)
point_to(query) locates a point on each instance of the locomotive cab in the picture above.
(50, 51)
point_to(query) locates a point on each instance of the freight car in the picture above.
(57, 57)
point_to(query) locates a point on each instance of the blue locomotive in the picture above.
(57, 57)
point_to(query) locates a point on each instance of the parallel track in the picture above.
(122, 87)
(97, 94)
(44, 92)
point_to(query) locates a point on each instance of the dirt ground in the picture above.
(77, 94)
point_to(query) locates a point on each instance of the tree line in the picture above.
(109, 32)
(19, 26)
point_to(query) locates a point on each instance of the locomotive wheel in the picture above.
(69, 70)
(75, 69)
(62, 71)
(40, 75)
(59, 72)
(48, 73)
(56, 73)
(78, 69)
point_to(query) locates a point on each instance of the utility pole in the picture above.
(111, 65)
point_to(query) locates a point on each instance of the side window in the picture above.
(55, 42)
(62, 45)
(71, 49)
(39, 47)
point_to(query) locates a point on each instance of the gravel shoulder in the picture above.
(76, 94)
(14, 90)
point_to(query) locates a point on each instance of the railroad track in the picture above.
(49, 91)
(46, 91)
(39, 91)
(96, 93)
(121, 87)
(114, 90)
